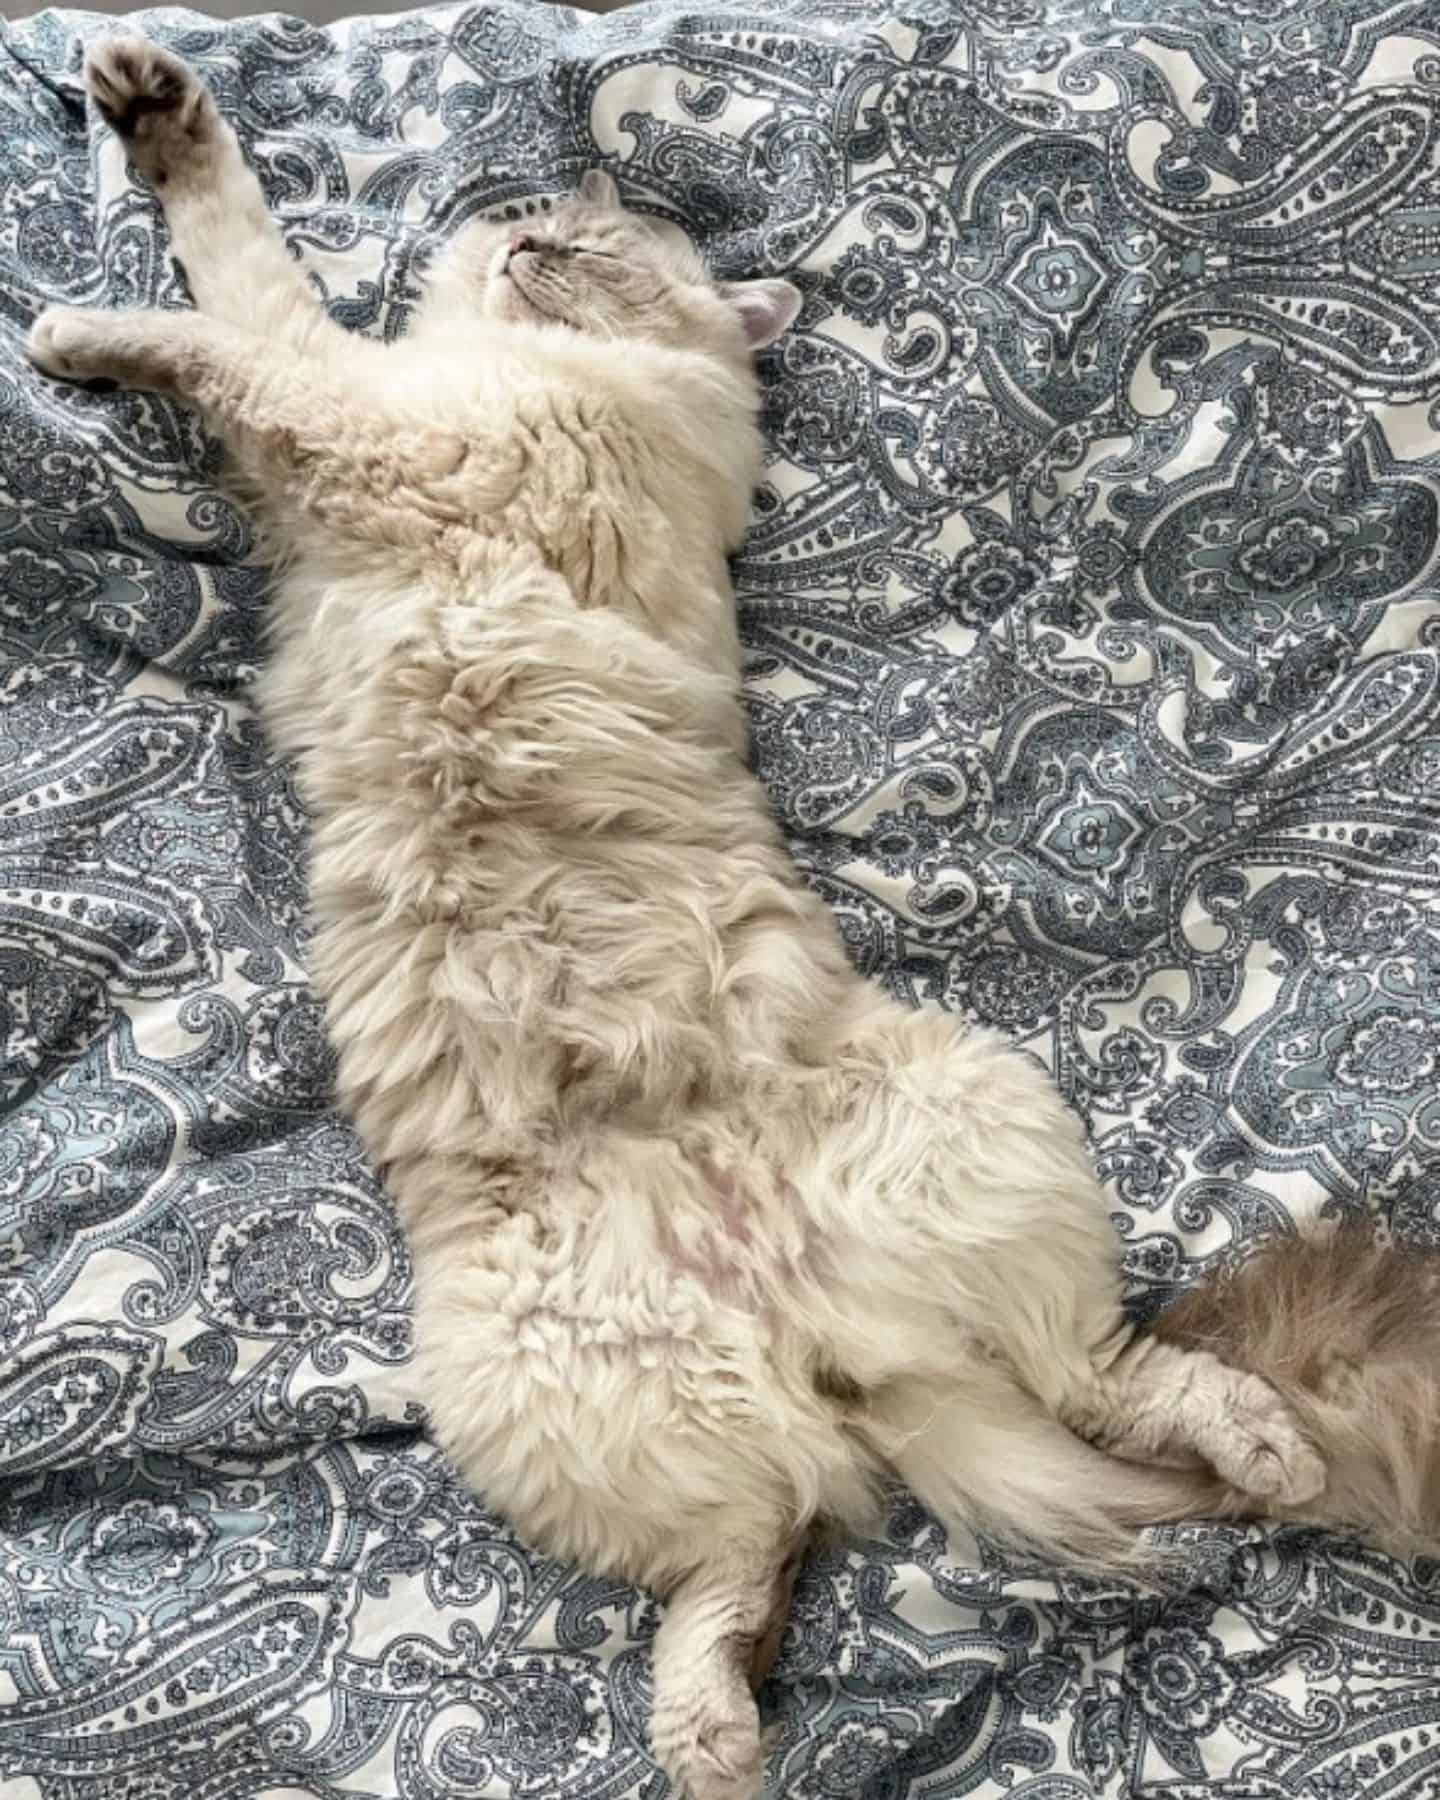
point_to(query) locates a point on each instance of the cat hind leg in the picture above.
(720, 1631)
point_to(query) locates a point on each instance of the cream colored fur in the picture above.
(708, 1232)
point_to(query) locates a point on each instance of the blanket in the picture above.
(1093, 647)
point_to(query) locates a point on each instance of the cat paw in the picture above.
(718, 1755)
(155, 102)
(728, 1762)
(1262, 1451)
(69, 341)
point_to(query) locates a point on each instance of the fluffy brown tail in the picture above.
(1347, 1329)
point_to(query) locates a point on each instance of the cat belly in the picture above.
(608, 1405)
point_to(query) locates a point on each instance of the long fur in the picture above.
(709, 1234)
(1345, 1324)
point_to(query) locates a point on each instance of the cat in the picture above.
(711, 1235)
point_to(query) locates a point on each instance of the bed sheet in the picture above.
(1091, 622)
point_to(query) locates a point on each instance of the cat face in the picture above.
(596, 269)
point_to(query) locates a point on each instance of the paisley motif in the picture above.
(1093, 664)
(70, 1396)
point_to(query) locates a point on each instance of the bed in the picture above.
(1092, 655)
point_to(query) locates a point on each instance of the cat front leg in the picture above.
(275, 419)
(295, 430)
(234, 256)
(197, 358)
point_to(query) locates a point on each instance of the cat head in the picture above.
(594, 268)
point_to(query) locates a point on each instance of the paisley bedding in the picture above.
(1094, 646)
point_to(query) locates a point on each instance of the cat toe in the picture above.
(1265, 1453)
(56, 342)
(713, 1750)
(727, 1761)
(151, 99)
(129, 77)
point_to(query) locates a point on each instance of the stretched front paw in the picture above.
(73, 342)
(157, 103)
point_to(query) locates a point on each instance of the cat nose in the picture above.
(522, 240)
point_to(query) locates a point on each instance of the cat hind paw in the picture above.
(1261, 1450)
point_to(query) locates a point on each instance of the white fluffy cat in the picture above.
(708, 1232)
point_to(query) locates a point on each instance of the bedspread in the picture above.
(1092, 646)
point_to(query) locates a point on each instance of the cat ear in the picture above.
(766, 308)
(598, 189)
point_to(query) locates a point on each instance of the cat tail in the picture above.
(1346, 1327)
(985, 1455)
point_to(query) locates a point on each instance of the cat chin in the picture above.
(511, 305)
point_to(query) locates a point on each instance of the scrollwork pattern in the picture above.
(1091, 631)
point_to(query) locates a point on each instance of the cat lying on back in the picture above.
(708, 1232)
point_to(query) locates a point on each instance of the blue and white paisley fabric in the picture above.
(1094, 663)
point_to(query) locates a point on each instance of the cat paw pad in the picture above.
(154, 101)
